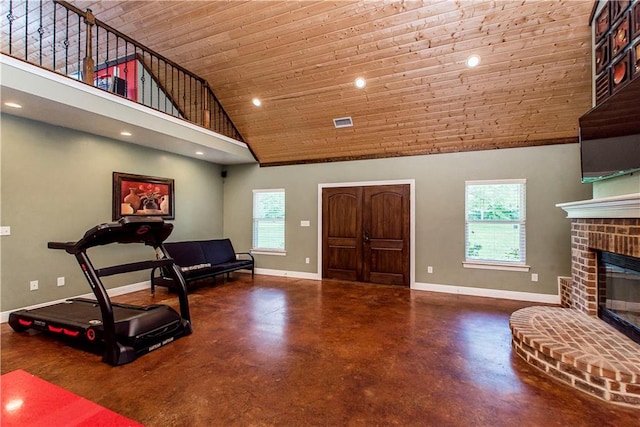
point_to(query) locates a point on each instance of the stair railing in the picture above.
(57, 36)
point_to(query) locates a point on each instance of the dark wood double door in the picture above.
(365, 234)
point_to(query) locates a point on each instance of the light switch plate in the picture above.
(5, 231)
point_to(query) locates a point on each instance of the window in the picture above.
(495, 222)
(268, 220)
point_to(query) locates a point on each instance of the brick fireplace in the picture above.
(589, 235)
(570, 343)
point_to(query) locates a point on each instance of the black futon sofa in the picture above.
(201, 259)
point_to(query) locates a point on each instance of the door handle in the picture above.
(366, 237)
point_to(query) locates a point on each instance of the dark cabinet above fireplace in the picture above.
(618, 115)
(610, 131)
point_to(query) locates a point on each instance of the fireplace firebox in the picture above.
(619, 292)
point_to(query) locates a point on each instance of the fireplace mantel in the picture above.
(625, 206)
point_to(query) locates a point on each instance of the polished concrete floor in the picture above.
(288, 352)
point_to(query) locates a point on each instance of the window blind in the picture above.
(268, 220)
(495, 221)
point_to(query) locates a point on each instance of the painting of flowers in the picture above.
(142, 195)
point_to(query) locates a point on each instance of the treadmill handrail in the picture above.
(151, 231)
(134, 266)
(60, 245)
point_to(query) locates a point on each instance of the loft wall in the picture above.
(552, 173)
(57, 183)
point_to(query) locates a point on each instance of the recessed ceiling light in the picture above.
(472, 61)
(199, 153)
(360, 82)
(256, 102)
(125, 133)
(12, 105)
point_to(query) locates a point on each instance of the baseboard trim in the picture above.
(286, 273)
(121, 290)
(489, 293)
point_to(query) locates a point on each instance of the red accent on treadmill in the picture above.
(54, 329)
(70, 332)
(84, 267)
(23, 322)
(91, 334)
(143, 229)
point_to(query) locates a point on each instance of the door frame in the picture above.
(412, 219)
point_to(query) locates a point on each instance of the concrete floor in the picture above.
(291, 352)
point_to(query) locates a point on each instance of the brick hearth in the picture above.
(581, 351)
(571, 344)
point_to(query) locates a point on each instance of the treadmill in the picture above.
(121, 332)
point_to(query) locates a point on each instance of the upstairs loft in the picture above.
(55, 99)
(67, 68)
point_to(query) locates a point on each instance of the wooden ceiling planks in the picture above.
(301, 57)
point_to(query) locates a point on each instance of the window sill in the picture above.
(496, 266)
(265, 252)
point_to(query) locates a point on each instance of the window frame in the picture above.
(266, 250)
(519, 265)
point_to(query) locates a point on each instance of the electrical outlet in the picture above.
(60, 281)
(5, 231)
(534, 277)
(429, 269)
(33, 285)
(306, 260)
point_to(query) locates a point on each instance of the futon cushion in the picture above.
(233, 265)
(218, 251)
(203, 270)
(186, 254)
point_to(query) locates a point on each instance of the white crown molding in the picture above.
(624, 206)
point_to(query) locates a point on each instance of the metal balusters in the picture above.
(77, 51)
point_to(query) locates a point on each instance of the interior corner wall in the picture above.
(57, 183)
(552, 174)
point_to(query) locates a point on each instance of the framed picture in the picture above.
(142, 195)
(620, 37)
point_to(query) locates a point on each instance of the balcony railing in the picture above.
(59, 37)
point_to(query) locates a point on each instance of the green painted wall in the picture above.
(552, 173)
(627, 184)
(57, 183)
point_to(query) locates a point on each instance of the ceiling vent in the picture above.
(343, 122)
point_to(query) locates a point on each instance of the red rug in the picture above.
(30, 401)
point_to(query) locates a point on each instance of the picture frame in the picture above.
(142, 195)
(620, 37)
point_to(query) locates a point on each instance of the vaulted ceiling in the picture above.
(301, 58)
